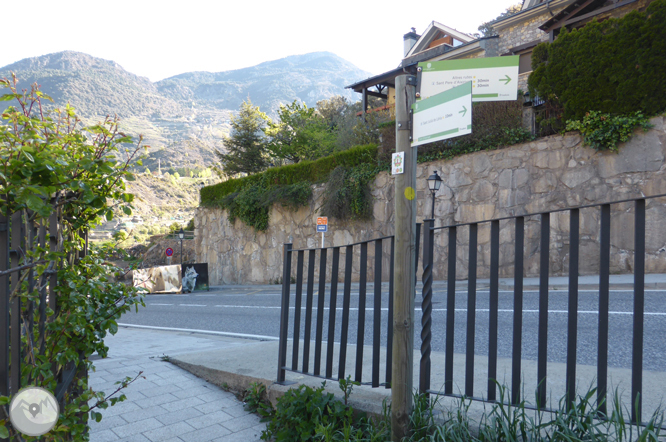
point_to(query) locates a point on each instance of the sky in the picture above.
(159, 39)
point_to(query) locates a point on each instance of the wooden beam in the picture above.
(598, 11)
(559, 23)
(376, 94)
(364, 102)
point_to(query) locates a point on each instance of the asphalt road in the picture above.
(256, 311)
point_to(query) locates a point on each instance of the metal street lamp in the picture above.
(434, 182)
(181, 234)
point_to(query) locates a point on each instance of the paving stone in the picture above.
(119, 408)
(106, 423)
(237, 411)
(137, 427)
(168, 431)
(156, 400)
(156, 390)
(180, 415)
(205, 434)
(241, 423)
(134, 438)
(209, 419)
(143, 413)
(199, 392)
(216, 395)
(248, 435)
(103, 436)
(182, 403)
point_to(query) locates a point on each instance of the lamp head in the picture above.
(434, 182)
(181, 233)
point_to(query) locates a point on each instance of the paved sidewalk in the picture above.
(170, 404)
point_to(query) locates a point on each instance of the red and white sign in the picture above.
(169, 251)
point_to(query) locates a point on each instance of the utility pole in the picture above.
(404, 261)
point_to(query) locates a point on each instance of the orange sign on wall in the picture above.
(322, 224)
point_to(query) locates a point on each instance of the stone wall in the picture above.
(550, 173)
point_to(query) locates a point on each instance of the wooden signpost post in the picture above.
(404, 276)
(444, 115)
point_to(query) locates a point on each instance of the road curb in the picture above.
(364, 401)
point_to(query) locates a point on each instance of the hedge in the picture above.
(617, 66)
(306, 171)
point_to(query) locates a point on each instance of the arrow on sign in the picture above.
(506, 80)
(464, 111)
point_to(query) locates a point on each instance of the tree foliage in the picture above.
(246, 151)
(298, 134)
(50, 163)
(487, 29)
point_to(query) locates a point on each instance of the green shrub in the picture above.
(301, 410)
(304, 171)
(616, 66)
(604, 131)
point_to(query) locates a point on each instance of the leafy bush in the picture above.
(616, 66)
(50, 164)
(256, 401)
(604, 131)
(301, 410)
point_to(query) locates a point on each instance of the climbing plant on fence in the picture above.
(616, 66)
(57, 178)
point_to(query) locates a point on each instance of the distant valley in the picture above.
(183, 118)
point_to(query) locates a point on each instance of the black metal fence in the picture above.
(317, 275)
(429, 262)
(19, 235)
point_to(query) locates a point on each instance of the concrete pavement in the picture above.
(167, 403)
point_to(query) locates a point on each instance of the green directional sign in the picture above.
(442, 116)
(493, 78)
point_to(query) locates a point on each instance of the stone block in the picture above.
(475, 212)
(481, 165)
(575, 177)
(482, 191)
(644, 152)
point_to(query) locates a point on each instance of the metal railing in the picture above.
(429, 262)
(19, 235)
(300, 363)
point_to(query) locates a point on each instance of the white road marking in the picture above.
(152, 303)
(210, 332)
(193, 305)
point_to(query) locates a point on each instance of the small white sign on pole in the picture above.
(493, 78)
(398, 163)
(442, 116)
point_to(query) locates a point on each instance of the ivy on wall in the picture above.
(250, 198)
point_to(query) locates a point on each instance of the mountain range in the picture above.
(182, 118)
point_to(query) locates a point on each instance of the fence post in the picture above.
(426, 305)
(4, 305)
(284, 312)
(405, 226)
